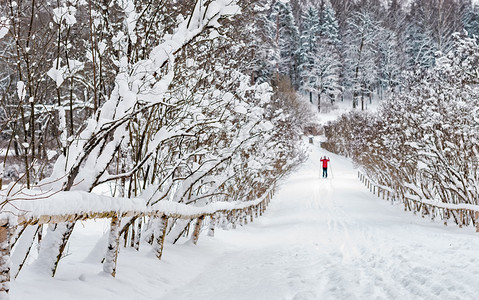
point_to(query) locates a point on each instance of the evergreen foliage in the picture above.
(286, 37)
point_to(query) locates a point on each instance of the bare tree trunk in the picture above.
(319, 102)
(362, 101)
(93, 54)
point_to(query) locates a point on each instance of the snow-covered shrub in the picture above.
(167, 114)
(424, 140)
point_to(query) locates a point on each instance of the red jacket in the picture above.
(325, 162)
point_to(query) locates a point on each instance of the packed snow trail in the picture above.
(332, 239)
(319, 239)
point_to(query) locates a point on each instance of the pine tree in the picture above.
(308, 52)
(320, 66)
(266, 51)
(286, 39)
(330, 42)
(395, 26)
(389, 60)
(470, 20)
(329, 28)
(361, 68)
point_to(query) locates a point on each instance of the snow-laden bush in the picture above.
(424, 140)
(168, 115)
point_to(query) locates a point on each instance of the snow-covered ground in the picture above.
(319, 239)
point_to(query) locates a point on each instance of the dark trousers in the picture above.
(325, 172)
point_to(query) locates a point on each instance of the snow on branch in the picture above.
(90, 155)
(78, 205)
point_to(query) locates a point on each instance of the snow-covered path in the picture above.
(319, 239)
(332, 239)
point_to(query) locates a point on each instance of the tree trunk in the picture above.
(319, 102)
(362, 101)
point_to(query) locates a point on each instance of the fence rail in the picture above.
(239, 213)
(462, 214)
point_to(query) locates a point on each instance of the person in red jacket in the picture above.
(325, 161)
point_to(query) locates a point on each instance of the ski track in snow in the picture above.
(332, 239)
(319, 239)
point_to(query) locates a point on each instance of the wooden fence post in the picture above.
(125, 237)
(160, 234)
(461, 218)
(240, 217)
(4, 260)
(196, 233)
(133, 234)
(111, 257)
(233, 219)
(211, 228)
(138, 234)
